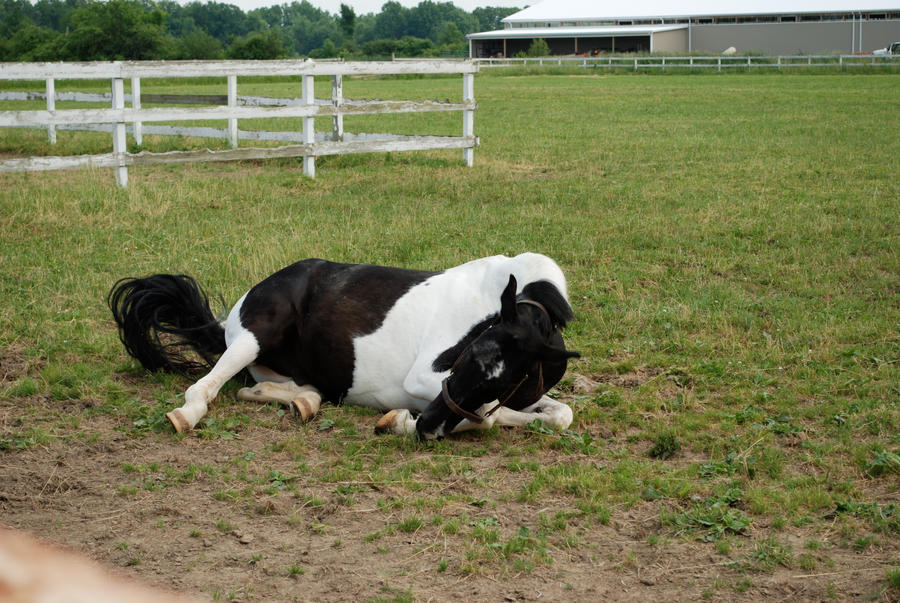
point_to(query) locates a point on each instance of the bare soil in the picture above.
(96, 488)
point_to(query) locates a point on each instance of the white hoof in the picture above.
(178, 420)
(399, 422)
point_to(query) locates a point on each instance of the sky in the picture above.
(362, 7)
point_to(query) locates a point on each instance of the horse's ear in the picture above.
(555, 354)
(508, 301)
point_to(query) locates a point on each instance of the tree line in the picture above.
(93, 30)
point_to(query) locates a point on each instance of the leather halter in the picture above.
(459, 411)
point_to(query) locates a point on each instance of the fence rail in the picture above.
(716, 63)
(121, 120)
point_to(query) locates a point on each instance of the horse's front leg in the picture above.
(401, 422)
(552, 413)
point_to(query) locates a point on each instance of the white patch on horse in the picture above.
(437, 434)
(498, 369)
(393, 365)
(489, 360)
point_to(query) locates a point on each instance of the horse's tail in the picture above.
(166, 323)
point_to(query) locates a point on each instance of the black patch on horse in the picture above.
(306, 316)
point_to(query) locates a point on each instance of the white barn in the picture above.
(775, 27)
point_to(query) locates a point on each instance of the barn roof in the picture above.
(592, 10)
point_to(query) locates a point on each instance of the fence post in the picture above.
(119, 146)
(309, 124)
(232, 102)
(337, 99)
(51, 106)
(136, 105)
(468, 116)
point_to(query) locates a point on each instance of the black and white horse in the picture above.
(465, 348)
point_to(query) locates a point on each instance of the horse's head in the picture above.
(516, 348)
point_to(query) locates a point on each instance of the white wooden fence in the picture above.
(119, 119)
(701, 63)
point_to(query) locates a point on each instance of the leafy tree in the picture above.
(328, 50)
(55, 14)
(489, 17)
(411, 46)
(307, 28)
(539, 48)
(391, 22)
(222, 21)
(379, 48)
(450, 35)
(273, 16)
(199, 45)
(13, 16)
(428, 19)
(407, 46)
(118, 29)
(31, 43)
(157, 29)
(348, 19)
(260, 45)
(364, 28)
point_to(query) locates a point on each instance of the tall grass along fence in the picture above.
(716, 63)
(306, 142)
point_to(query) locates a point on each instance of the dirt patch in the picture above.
(634, 378)
(277, 511)
(15, 364)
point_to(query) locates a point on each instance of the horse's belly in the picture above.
(384, 399)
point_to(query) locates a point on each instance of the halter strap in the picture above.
(459, 411)
(538, 305)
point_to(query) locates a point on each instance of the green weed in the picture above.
(712, 519)
(665, 445)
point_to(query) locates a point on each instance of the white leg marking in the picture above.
(304, 400)
(242, 351)
(262, 373)
(467, 425)
(399, 422)
(553, 414)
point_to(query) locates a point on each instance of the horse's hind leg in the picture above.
(242, 352)
(303, 400)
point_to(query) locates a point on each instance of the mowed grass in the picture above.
(731, 244)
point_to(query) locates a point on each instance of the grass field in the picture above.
(732, 245)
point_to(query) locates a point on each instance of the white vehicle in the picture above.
(892, 49)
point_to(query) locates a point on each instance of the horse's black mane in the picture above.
(546, 293)
(543, 292)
